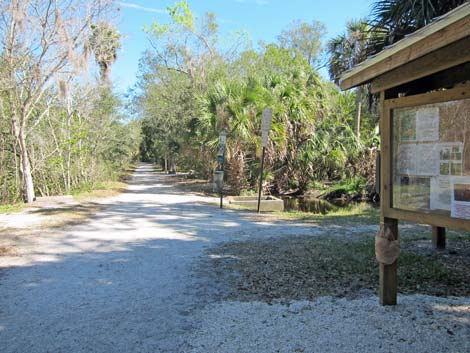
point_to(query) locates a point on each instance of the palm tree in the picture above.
(394, 19)
(105, 41)
(347, 50)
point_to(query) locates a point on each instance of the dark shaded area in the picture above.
(303, 267)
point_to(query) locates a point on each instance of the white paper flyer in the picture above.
(427, 124)
(440, 193)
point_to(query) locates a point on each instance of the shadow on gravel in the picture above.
(123, 278)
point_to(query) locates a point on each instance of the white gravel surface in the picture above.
(418, 324)
(124, 282)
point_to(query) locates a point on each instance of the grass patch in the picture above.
(347, 187)
(104, 189)
(361, 212)
(303, 267)
(235, 207)
(12, 208)
(358, 213)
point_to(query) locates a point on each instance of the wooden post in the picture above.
(261, 180)
(222, 188)
(388, 284)
(439, 237)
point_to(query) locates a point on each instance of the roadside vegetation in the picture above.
(62, 128)
(195, 84)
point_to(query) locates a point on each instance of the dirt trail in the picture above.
(122, 280)
(129, 280)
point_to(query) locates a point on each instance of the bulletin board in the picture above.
(428, 164)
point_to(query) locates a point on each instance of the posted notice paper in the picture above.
(460, 197)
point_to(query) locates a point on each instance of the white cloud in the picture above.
(134, 6)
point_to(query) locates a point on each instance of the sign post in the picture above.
(221, 160)
(265, 128)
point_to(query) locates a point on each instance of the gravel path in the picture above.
(124, 281)
(419, 324)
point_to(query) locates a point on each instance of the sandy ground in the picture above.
(126, 281)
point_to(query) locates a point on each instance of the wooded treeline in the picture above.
(61, 128)
(195, 85)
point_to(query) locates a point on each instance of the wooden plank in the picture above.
(439, 60)
(387, 273)
(462, 92)
(439, 237)
(447, 79)
(428, 218)
(388, 284)
(385, 155)
(415, 46)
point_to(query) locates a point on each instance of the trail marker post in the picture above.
(265, 128)
(221, 161)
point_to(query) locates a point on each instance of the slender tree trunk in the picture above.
(28, 184)
(359, 112)
(69, 144)
(59, 151)
(27, 177)
(358, 119)
(17, 168)
(80, 157)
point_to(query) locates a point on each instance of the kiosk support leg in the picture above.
(439, 237)
(388, 273)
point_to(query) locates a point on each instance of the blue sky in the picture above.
(263, 19)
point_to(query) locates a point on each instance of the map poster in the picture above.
(460, 198)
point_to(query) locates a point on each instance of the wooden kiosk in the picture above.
(424, 86)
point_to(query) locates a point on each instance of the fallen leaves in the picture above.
(303, 267)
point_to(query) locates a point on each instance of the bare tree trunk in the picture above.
(359, 112)
(358, 119)
(172, 165)
(26, 170)
(17, 167)
(80, 157)
(69, 143)
(27, 177)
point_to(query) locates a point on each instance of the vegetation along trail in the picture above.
(133, 278)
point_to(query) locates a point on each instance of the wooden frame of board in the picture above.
(387, 209)
(429, 66)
